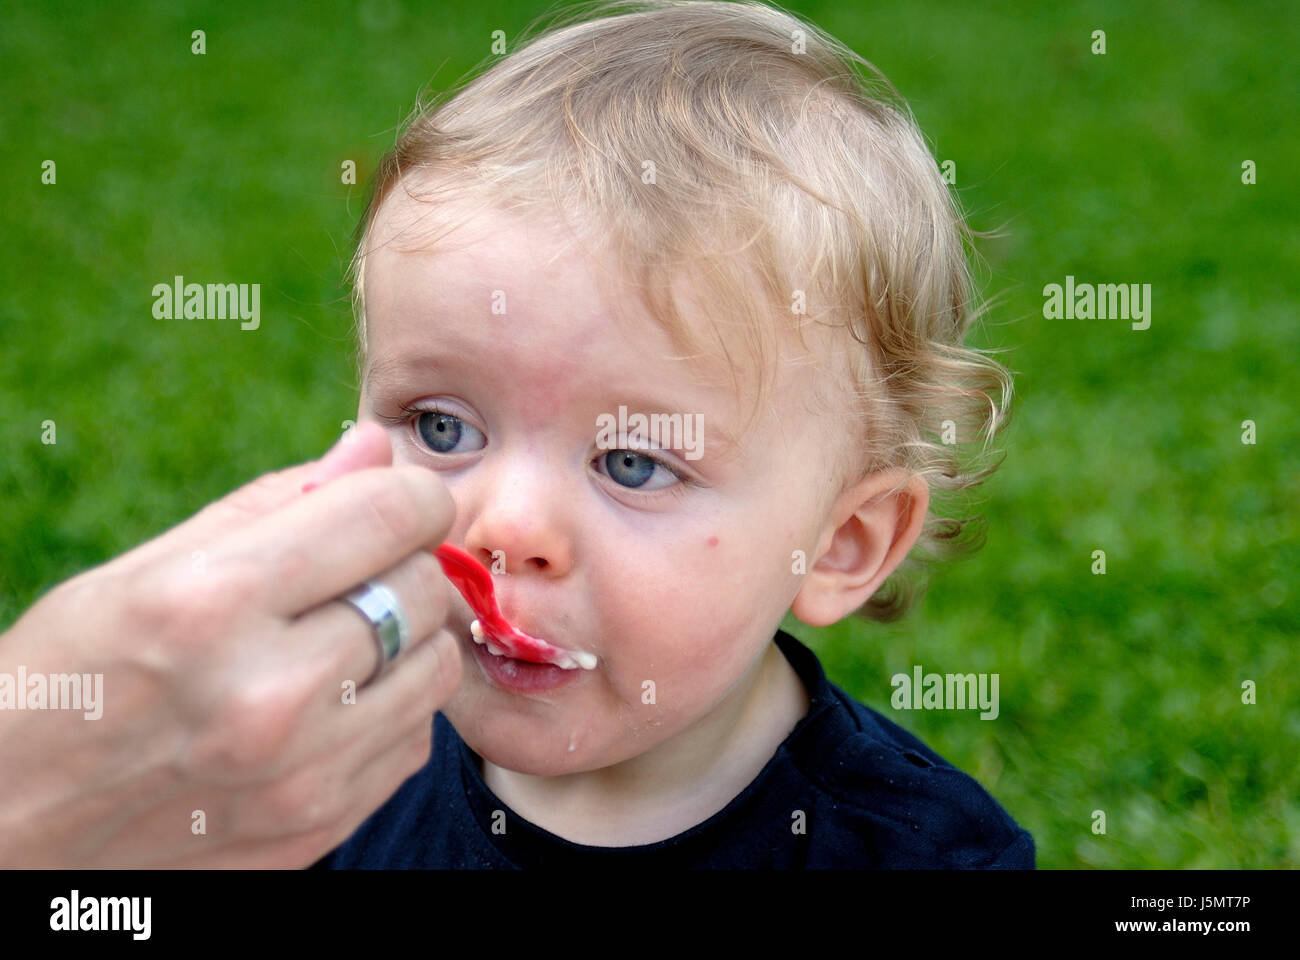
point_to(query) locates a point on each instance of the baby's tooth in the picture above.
(476, 629)
(585, 660)
(566, 663)
(493, 648)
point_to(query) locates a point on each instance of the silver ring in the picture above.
(381, 608)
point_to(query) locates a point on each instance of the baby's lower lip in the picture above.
(520, 676)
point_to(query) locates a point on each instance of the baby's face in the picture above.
(674, 584)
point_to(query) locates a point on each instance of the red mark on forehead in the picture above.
(713, 541)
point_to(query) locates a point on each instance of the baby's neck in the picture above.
(680, 783)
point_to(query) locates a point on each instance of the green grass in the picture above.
(1119, 693)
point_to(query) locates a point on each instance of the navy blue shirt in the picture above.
(870, 795)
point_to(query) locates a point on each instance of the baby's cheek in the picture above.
(660, 664)
(729, 566)
(694, 672)
(678, 638)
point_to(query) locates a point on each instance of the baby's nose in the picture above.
(517, 530)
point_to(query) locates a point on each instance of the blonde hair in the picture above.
(773, 159)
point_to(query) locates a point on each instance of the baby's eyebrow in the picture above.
(378, 374)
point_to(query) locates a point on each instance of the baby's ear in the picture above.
(868, 532)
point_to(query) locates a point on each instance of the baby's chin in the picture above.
(537, 755)
(553, 747)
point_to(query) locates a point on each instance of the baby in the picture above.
(700, 224)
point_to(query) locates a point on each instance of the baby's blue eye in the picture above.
(629, 468)
(443, 432)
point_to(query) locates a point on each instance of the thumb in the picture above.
(365, 445)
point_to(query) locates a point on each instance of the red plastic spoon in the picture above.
(474, 582)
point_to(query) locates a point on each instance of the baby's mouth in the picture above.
(474, 582)
(566, 660)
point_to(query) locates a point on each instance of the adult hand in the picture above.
(227, 738)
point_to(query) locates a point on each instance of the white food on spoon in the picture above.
(571, 659)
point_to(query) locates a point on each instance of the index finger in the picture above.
(320, 546)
